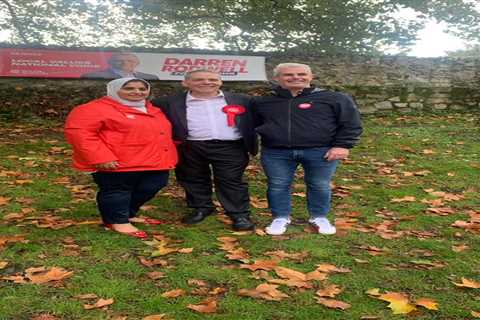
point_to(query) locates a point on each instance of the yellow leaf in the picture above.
(399, 303)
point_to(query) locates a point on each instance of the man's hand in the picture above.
(107, 165)
(337, 153)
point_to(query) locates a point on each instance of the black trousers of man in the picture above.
(227, 160)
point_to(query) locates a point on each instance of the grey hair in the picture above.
(276, 70)
(188, 74)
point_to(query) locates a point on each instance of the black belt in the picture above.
(217, 141)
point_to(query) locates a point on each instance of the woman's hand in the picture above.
(107, 165)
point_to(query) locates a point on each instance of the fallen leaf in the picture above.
(475, 314)
(206, 306)
(260, 265)
(316, 275)
(292, 283)
(374, 292)
(329, 268)
(155, 317)
(399, 302)
(430, 304)
(174, 293)
(460, 248)
(264, 291)
(334, 304)
(404, 199)
(467, 283)
(154, 275)
(3, 264)
(287, 273)
(330, 291)
(42, 275)
(4, 200)
(99, 304)
(86, 296)
(185, 250)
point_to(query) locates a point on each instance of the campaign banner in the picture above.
(50, 63)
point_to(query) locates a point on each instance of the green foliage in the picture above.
(300, 26)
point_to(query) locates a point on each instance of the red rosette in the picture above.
(232, 110)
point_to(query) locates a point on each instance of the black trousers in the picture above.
(227, 161)
(121, 194)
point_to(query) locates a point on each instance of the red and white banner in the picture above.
(49, 63)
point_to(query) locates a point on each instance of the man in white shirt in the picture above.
(214, 132)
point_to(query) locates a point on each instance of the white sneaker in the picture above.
(278, 226)
(323, 225)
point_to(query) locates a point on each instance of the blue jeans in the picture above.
(121, 194)
(280, 164)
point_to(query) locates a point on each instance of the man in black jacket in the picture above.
(300, 124)
(213, 129)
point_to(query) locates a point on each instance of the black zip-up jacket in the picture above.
(314, 118)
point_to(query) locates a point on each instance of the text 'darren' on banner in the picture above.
(49, 63)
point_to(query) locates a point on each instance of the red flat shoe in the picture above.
(136, 234)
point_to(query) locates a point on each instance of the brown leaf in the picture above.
(467, 283)
(404, 199)
(459, 248)
(260, 265)
(216, 291)
(430, 304)
(329, 268)
(334, 304)
(42, 275)
(15, 278)
(185, 250)
(316, 275)
(44, 316)
(206, 306)
(287, 273)
(155, 317)
(195, 282)
(4, 200)
(330, 291)
(299, 256)
(174, 293)
(3, 264)
(154, 275)
(292, 283)
(99, 304)
(86, 296)
(258, 203)
(475, 314)
(264, 291)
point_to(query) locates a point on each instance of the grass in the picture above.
(399, 156)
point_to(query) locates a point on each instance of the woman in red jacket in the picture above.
(127, 144)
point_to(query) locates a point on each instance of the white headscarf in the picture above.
(115, 85)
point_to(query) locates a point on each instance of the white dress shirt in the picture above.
(207, 121)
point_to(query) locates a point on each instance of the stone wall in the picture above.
(399, 83)
(378, 84)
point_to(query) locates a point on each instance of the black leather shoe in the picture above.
(242, 224)
(196, 216)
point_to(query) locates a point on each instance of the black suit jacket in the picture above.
(109, 74)
(175, 109)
